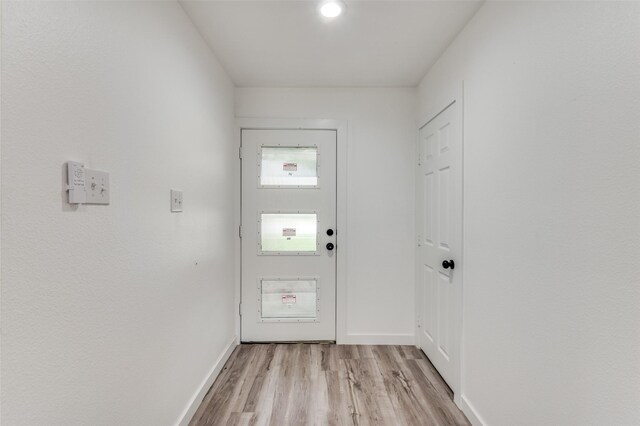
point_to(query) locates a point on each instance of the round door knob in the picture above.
(329, 232)
(330, 246)
(448, 264)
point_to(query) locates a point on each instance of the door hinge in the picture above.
(240, 153)
(240, 309)
(240, 231)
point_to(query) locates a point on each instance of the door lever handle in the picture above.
(446, 264)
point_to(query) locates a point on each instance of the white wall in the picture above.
(552, 208)
(106, 317)
(381, 138)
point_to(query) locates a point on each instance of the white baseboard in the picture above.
(377, 339)
(197, 398)
(469, 411)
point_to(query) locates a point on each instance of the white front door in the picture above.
(439, 225)
(288, 235)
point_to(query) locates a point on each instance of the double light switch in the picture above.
(87, 186)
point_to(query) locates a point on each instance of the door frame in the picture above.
(342, 150)
(448, 96)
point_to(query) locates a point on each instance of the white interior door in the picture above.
(288, 235)
(439, 225)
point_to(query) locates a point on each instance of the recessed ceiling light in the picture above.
(331, 9)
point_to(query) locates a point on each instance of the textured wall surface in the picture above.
(114, 314)
(381, 138)
(552, 208)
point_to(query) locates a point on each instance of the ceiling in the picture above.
(272, 43)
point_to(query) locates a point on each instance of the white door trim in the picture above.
(454, 94)
(341, 128)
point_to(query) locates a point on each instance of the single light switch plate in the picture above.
(97, 187)
(176, 201)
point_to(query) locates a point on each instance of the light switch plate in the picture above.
(97, 187)
(176, 201)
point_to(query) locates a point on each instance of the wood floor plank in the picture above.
(347, 351)
(281, 397)
(254, 394)
(298, 403)
(365, 351)
(265, 400)
(318, 410)
(315, 361)
(342, 408)
(240, 419)
(222, 393)
(411, 352)
(371, 404)
(321, 384)
(329, 357)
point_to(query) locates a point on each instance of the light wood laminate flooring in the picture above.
(325, 384)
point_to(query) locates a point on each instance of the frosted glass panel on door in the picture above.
(288, 232)
(289, 299)
(289, 166)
